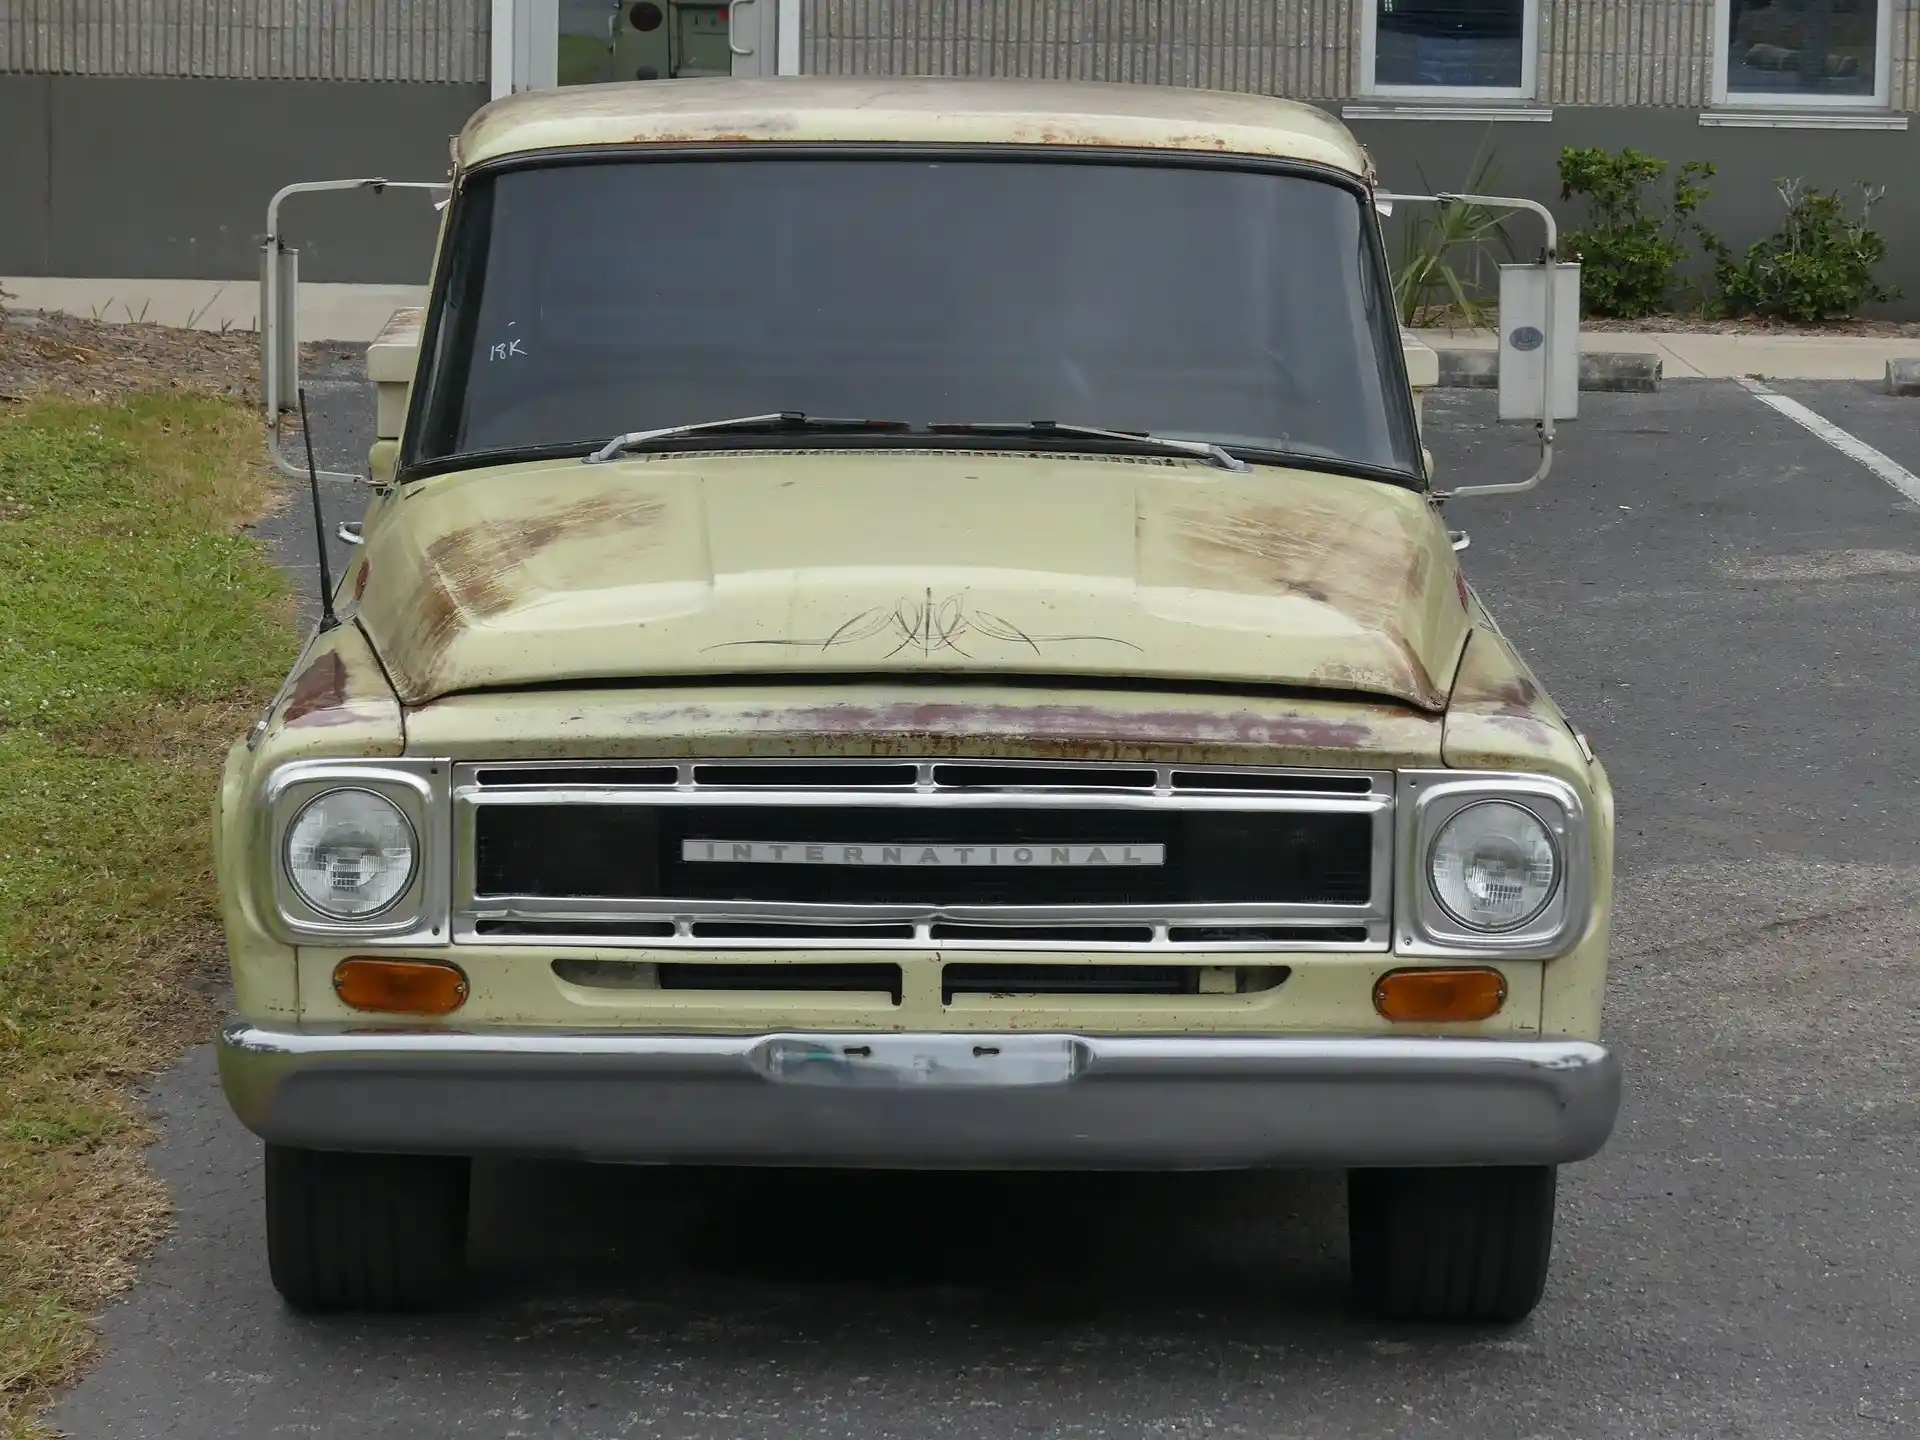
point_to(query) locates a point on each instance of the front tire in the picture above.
(1467, 1245)
(365, 1232)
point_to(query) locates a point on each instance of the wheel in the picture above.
(365, 1232)
(1467, 1245)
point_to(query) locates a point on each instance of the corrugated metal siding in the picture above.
(1626, 52)
(432, 40)
(1906, 55)
(1301, 48)
(1592, 52)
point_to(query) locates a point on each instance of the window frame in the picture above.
(1725, 97)
(1527, 89)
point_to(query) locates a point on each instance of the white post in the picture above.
(788, 34)
(501, 19)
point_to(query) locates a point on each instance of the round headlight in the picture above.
(350, 853)
(1493, 866)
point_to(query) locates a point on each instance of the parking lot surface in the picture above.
(1727, 605)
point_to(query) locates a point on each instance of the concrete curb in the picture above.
(1630, 371)
(1903, 377)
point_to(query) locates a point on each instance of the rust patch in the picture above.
(469, 573)
(471, 561)
(318, 692)
(360, 578)
(746, 127)
(1494, 691)
(1372, 574)
(1196, 142)
(1076, 731)
(1518, 696)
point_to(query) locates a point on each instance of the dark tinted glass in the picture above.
(1802, 47)
(1458, 44)
(585, 300)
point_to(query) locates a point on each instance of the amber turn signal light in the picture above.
(1430, 996)
(400, 987)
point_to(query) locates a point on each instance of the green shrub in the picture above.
(1817, 266)
(1630, 256)
(1441, 247)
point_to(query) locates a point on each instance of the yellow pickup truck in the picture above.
(906, 624)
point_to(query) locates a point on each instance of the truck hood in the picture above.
(874, 562)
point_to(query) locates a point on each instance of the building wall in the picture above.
(143, 178)
(1611, 73)
(1306, 49)
(1591, 52)
(144, 137)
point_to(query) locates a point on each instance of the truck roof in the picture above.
(909, 110)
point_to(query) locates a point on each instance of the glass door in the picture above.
(607, 40)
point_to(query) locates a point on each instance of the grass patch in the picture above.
(138, 634)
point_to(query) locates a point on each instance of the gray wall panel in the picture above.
(24, 105)
(171, 178)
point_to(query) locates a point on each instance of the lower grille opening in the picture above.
(1061, 934)
(1267, 934)
(797, 777)
(590, 776)
(788, 930)
(586, 929)
(1013, 777)
(609, 974)
(836, 979)
(1282, 784)
(1070, 980)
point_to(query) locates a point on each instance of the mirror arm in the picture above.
(1549, 259)
(273, 385)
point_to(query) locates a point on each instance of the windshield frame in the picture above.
(428, 401)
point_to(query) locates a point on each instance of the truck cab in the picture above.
(956, 660)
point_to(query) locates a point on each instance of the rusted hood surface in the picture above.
(877, 562)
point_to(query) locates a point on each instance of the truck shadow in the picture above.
(1068, 1247)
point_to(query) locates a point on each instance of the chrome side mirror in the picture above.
(1539, 345)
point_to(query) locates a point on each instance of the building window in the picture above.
(1476, 49)
(1790, 53)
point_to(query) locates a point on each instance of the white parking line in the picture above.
(1854, 448)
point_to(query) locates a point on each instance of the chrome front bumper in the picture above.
(1064, 1102)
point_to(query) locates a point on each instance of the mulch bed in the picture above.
(1694, 324)
(43, 353)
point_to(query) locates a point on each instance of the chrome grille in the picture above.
(1223, 858)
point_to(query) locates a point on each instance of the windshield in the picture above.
(1244, 307)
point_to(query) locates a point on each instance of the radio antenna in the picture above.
(327, 618)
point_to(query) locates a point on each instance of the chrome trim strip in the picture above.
(925, 781)
(1062, 1102)
(420, 788)
(1428, 798)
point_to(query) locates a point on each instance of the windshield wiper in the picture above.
(775, 424)
(1202, 449)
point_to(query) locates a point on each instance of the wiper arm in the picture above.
(774, 424)
(1202, 449)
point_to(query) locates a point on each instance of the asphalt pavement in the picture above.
(1728, 607)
